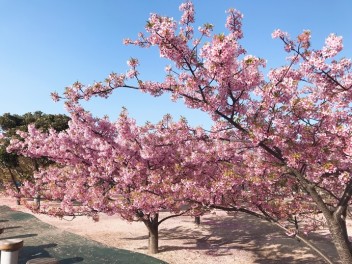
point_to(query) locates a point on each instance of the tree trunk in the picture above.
(339, 239)
(334, 220)
(197, 220)
(37, 200)
(342, 221)
(153, 239)
(14, 181)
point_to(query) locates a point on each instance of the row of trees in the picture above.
(121, 168)
(279, 149)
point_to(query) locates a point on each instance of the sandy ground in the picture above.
(219, 238)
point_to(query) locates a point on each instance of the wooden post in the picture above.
(9, 250)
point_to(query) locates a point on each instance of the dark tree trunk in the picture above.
(342, 221)
(197, 220)
(153, 228)
(37, 200)
(153, 241)
(14, 181)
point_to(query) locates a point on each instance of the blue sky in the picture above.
(46, 45)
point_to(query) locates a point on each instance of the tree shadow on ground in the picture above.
(71, 260)
(218, 235)
(138, 237)
(20, 236)
(31, 252)
(11, 227)
(40, 251)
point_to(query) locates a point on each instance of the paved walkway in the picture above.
(43, 240)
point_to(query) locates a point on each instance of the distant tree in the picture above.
(15, 168)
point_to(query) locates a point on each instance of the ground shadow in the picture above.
(11, 227)
(71, 260)
(137, 237)
(20, 236)
(31, 252)
(266, 242)
(41, 251)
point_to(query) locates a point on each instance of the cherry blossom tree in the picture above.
(117, 168)
(294, 125)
